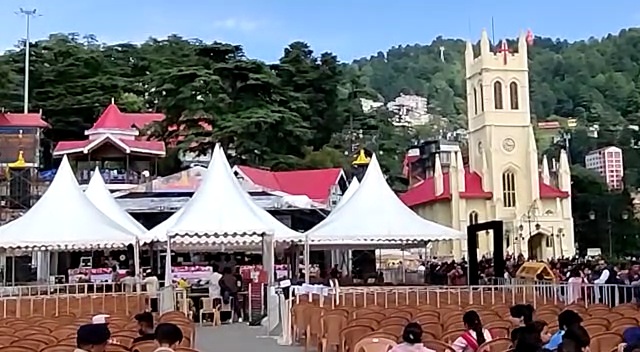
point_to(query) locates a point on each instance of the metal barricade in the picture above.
(539, 293)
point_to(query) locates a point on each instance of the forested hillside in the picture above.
(300, 111)
(595, 81)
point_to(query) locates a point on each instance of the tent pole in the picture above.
(307, 255)
(13, 269)
(136, 265)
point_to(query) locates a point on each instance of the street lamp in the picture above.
(529, 218)
(624, 215)
(28, 14)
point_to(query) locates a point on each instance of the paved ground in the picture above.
(238, 338)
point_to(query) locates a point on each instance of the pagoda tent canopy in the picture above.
(64, 219)
(221, 212)
(100, 196)
(353, 187)
(375, 216)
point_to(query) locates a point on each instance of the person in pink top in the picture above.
(411, 340)
(475, 335)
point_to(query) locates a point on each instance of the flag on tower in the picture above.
(529, 37)
(504, 50)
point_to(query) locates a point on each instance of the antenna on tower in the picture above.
(442, 53)
(493, 32)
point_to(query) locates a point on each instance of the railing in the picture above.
(508, 294)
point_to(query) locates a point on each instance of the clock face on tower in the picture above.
(509, 144)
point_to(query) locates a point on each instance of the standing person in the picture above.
(92, 338)
(229, 288)
(411, 340)
(168, 337)
(475, 335)
(520, 315)
(214, 284)
(575, 284)
(145, 327)
(152, 285)
(129, 282)
(606, 282)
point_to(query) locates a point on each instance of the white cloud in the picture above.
(237, 24)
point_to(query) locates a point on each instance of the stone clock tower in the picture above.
(500, 131)
(504, 180)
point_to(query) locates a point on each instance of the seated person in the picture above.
(92, 338)
(566, 319)
(630, 340)
(532, 337)
(168, 337)
(411, 340)
(145, 327)
(575, 339)
(475, 335)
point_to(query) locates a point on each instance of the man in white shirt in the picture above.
(129, 282)
(152, 285)
(214, 283)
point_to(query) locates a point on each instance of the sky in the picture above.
(349, 28)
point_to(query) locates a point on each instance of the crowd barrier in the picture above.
(509, 293)
(82, 299)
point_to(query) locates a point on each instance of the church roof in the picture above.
(424, 192)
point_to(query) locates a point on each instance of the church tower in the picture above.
(502, 146)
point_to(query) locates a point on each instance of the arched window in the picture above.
(473, 217)
(509, 189)
(497, 95)
(475, 102)
(513, 95)
(481, 97)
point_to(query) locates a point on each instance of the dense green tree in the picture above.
(305, 111)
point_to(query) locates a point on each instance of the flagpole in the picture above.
(493, 32)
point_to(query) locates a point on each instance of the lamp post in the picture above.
(529, 218)
(624, 215)
(27, 15)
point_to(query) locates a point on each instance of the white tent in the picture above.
(353, 187)
(159, 232)
(221, 212)
(64, 219)
(100, 196)
(375, 215)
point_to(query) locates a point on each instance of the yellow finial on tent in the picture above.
(20, 163)
(361, 159)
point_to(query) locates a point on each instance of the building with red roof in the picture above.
(503, 178)
(318, 185)
(115, 144)
(20, 133)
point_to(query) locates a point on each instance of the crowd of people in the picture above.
(529, 335)
(94, 337)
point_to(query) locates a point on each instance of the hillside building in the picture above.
(607, 162)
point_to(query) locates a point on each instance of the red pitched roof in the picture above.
(424, 192)
(315, 184)
(112, 118)
(137, 146)
(22, 120)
